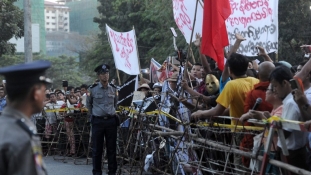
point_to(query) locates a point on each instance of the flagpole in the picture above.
(137, 49)
(189, 48)
(119, 80)
(193, 59)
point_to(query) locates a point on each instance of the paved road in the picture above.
(58, 167)
(68, 167)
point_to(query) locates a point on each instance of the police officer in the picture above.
(101, 103)
(20, 148)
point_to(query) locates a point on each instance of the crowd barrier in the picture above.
(145, 144)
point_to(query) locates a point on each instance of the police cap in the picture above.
(26, 74)
(102, 68)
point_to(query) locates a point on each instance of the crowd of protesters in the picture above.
(235, 90)
(231, 92)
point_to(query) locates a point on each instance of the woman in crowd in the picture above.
(276, 102)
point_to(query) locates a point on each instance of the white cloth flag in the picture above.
(124, 50)
(257, 22)
(184, 11)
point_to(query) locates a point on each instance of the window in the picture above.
(53, 11)
(47, 23)
(65, 12)
(47, 17)
(53, 17)
(47, 11)
(53, 23)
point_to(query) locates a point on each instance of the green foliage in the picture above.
(11, 24)
(63, 68)
(7, 60)
(152, 21)
(294, 29)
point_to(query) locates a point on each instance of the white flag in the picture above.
(124, 50)
(184, 11)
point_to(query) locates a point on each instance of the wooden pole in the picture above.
(250, 155)
(193, 59)
(137, 48)
(140, 75)
(193, 25)
(119, 80)
(234, 150)
(175, 133)
(186, 64)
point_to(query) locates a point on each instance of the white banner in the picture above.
(257, 22)
(124, 49)
(184, 11)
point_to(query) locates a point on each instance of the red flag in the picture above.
(214, 32)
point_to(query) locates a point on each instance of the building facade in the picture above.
(82, 15)
(64, 43)
(56, 17)
(37, 17)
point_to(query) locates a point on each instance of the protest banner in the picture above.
(257, 21)
(124, 49)
(184, 12)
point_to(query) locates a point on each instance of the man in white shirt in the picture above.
(83, 89)
(51, 116)
(295, 140)
(306, 81)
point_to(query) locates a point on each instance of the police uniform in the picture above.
(101, 103)
(20, 147)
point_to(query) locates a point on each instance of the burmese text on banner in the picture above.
(124, 49)
(257, 22)
(184, 11)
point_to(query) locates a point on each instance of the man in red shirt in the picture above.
(259, 91)
(260, 88)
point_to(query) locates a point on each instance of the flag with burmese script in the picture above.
(124, 49)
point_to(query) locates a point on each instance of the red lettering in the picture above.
(181, 17)
(246, 5)
(126, 43)
(258, 15)
(233, 5)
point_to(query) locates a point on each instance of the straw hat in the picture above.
(143, 86)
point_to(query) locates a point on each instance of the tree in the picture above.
(11, 24)
(7, 60)
(152, 21)
(294, 29)
(64, 68)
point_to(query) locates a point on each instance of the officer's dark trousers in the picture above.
(104, 129)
